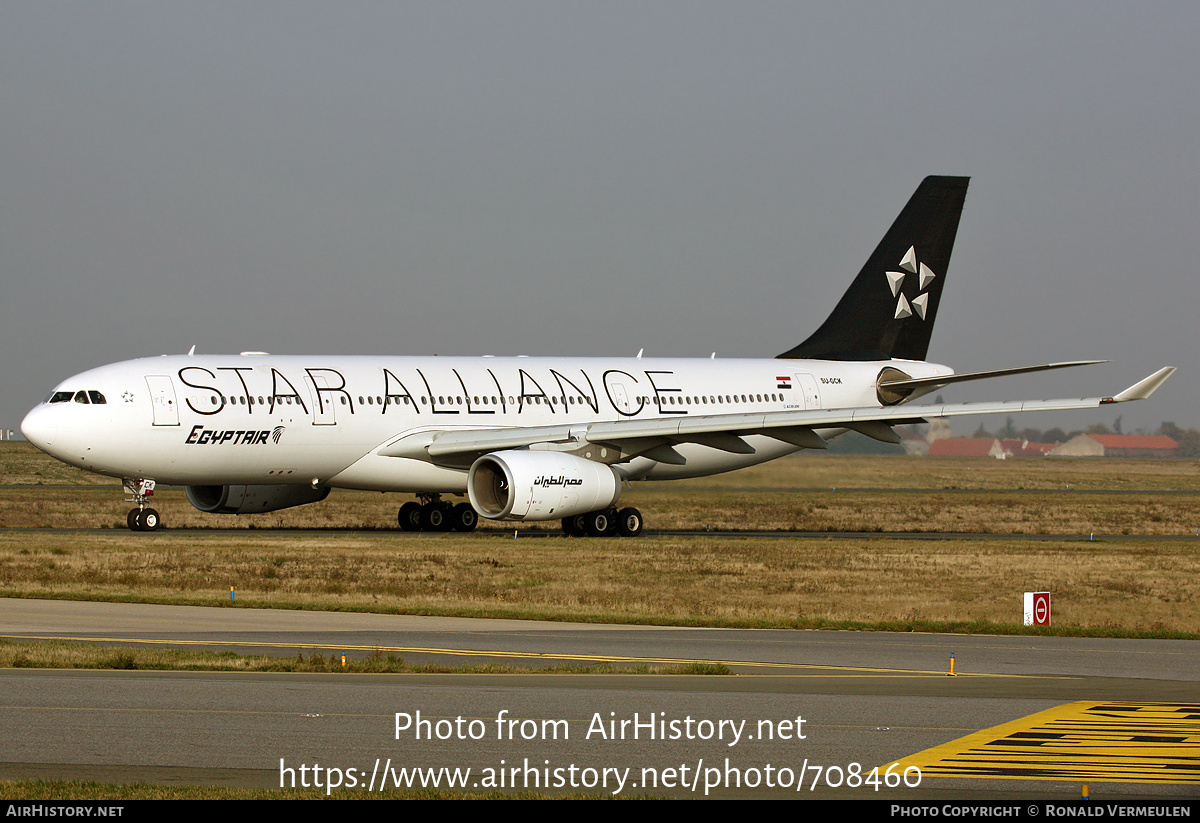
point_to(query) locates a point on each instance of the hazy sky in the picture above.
(594, 178)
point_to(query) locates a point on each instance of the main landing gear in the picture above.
(143, 518)
(433, 514)
(604, 523)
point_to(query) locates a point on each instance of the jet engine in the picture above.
(252, 499)
(538, 485)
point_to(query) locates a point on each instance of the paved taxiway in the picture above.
(866, 698)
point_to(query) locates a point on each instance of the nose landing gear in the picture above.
(143, 518)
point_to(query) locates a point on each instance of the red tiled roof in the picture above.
(961, 447)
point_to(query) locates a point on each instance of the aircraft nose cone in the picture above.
(40, 428)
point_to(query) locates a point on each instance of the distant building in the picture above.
(1027, 448)
(939, 429)
(968, 447)
(1116, 445)
(915, 444)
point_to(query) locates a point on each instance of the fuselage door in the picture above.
(325, 396)
(620, 397)
(162, 400)
(808, 385)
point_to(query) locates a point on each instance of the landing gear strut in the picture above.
(433, 514)
(604, 523)
(143, 518)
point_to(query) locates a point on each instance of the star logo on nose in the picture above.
(127, 396)
(920, 303)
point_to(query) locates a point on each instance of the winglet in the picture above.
(1145, 387)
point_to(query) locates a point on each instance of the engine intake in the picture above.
(528, 485)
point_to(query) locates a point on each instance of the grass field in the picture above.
(357, 560)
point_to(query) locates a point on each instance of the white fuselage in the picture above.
(259, 419)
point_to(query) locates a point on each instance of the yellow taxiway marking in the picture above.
(1104, 741)
(827, 671)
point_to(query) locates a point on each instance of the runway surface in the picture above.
(803, 709)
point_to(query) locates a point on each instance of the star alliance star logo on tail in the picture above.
(925, 276)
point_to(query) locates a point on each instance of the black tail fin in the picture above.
(889, 309)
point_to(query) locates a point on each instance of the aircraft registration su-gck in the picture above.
(527, 439)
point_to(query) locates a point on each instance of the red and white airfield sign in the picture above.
(1037, 608)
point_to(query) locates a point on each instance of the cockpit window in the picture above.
(96, 397)
(61, 396)
(81, 396)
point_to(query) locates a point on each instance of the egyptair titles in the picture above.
(561, 480)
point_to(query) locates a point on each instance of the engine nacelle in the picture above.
(252, 499)
(536, 485)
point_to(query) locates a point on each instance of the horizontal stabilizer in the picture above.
(947, 379)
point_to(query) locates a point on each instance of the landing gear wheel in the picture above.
(601, 523)
(463, 518)
(410, 517)
(629, 522)
(148, 520)
(573, 526)
(435, 517)
(131, 520)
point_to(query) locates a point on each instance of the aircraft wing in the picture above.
(654, 438)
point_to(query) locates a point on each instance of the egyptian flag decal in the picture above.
(784, 382)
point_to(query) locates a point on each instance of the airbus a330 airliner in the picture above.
(527, 439)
